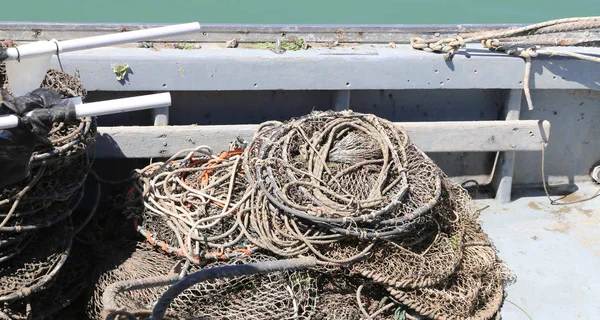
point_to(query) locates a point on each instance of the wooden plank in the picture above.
(505, 164)
(462, 136)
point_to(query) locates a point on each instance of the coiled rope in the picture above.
(524, 42)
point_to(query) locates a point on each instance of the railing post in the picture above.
(505, 164)
(341, 100)
(161, 116)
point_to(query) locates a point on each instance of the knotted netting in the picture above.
(39, 274)
(37, 263)
(353, 190)
(278, 295)
(69, 283)
(330, 179)
(394, 237)
(475, 291)
(191, 203)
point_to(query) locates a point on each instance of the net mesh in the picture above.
(68, 285)
(338, 176)
(192, 208)
(270, 296)
(39, 274)
(343, 297)
(393, 235)
(37, 264)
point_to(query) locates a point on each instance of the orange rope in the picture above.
(149, 238)
(222, 156)
(245, 251)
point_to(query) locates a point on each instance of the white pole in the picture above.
(101, 108)
(150, 101)
(50, 47)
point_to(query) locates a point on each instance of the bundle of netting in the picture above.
(334, 183)
(191, 203)
(36, 228)
(352, 190)
(68, 284)
(130, 283)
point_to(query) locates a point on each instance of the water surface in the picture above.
(298, 11)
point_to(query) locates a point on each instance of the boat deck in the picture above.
(554, 251)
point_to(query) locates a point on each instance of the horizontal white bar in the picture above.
(100, 108)
(150, 101)
(53, 46)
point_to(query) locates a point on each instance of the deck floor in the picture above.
(554, 251)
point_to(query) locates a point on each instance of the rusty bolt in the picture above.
(596, 174)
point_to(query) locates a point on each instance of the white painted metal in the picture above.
(25, 75)
(161, 116)
(53, 46)
(27, 64)
(360, 68)
(150, 101)
(596, 174)
(341, 100)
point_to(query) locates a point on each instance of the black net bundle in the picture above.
(40, 271)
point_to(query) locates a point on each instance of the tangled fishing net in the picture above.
(37, 276)
(271, 296)
(193, 205)
(392, 235)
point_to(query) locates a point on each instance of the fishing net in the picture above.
(339, 179)
(190, 205)
(474, 291)
(342, 297)
(54, 188)
(127, 260)
(38, 273)
(64, 84)
(425, 263)
(37, 264)
(394, 237)
(270, 296)
(277, 295)
(50, 200)
(68, 285)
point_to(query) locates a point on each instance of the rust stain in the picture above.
(534, 206)
(585, 231)
(560, 226)
(562, 210)
(572, 197)
(589, 212)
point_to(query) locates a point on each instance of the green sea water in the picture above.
(297, 11)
